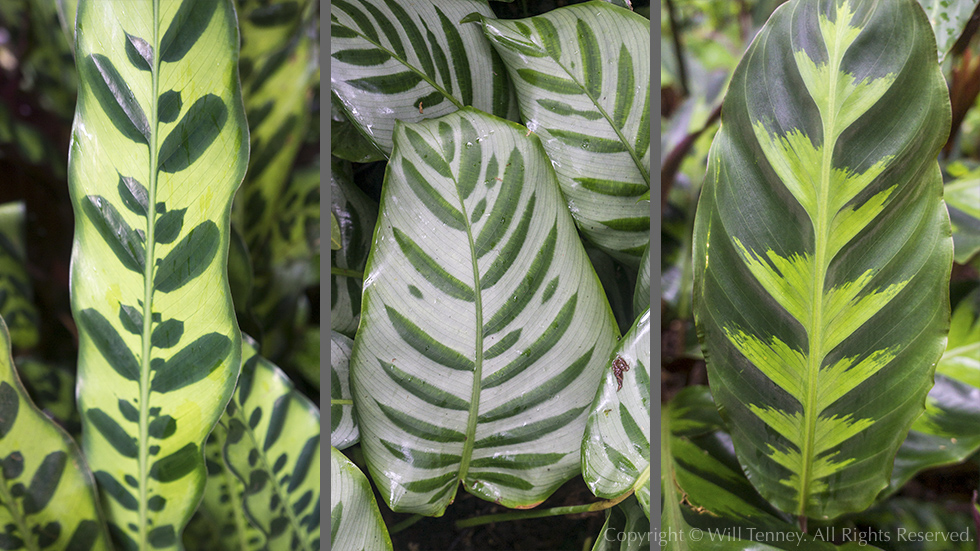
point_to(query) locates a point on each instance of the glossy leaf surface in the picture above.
(411, 61)
(616, 448)
(582, 75)
(822, 250)
(963, 199)
(343, 422)
(222, 509)
(159, 147)
(273, 447)
(626, 529)
(948, 19)
(16, 303)
(356, 215)
(479, 351)
(47, 493)
(355, 521)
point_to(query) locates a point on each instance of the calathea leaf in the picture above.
(52, 388)
(479, 350)
(343, 422)
(822, 249)
(355, 521)
(273, 447)
(582, 75)
(626, 528)
(47, 493)
(616, 448)
(410, 61)
(159, 147)
(641, 293)
(949, 430)
(16, 301)
(356, 215)
(963, 199)
(948, 20)
(705, 492)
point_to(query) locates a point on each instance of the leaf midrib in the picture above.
(20, 519)
(818, 273)
(148, 266)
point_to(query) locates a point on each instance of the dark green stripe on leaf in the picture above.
(139, 52)
(116, 436)
(633, 431)
(426, 392)
(518, 461)
(367, 57)
(192, 136)
(503, 345)
(613, 188)
(188, 259)
(121, 239)
(192, 363)
(429, 484)
(303, 462)
(169, 106)
(176, 465)
(641, 224)
(461, 61)
(588, 46)
(128, 411)
(44, 482)
(134, 195)
(624, 88)
(419, 428)
(185, 29)
(501, 479)
(508, 254)
(116, 98)
(426, 345)
(390, 31)
(117, 491)
(504, 206)
(521, 296)
(168, 226)
(621, 462)
(429, 155)
(363, 23)
(545, 342)
(588, 142)
(550, 83)
(388, 84)
(419, 46)
(442, 64)
(541, 393)
(566, 110)
(548, 35)
(470, 159)
(277, 419)
(431, 270)
(109, 343)
(531, 431)
(436, 204)
(420, 459)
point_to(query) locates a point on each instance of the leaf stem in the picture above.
(344, 272)
(678, 46)
(553, 512)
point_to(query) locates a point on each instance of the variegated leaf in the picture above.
(616, 448)
(948, 19)
(273, 447)
(52, 388)
(411, 61)
(16, 295)
(343, 420)
(822, 249)
(582, 75)
(641, 294)
(484, 329)
(355, 521)
(159, 147)
(47, 493)
(963, 199)
(626, 529)
(356, 215)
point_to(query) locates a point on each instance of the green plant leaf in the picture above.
(618, 281)
(356, 215)
(304, 357)
(343, 420)
(347, 142)
(948, 19)
(52, 388)
(963, 199)
(822, 250)
(937, 526)
(616, 447)
(949, 430)
(159, 348)
(641, 294)
(16, 300)
(582, 76)
(47, 493)
(355, 521)
(478, 350)
(412, 61)
(267, 26)
(706, 494)
(626, 528)
(273, 447)
(222, 507)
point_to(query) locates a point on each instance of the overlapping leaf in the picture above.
(641, 294)
(355, 521)
(343, 422)
(411, 61)
(267, 26)
(822, 250)
(948, 19)
(949, 430)
(159, 147)
(626, 528)
(356, 215)
(616, 448)
(705, 493)
(47, 493)
(273, 447)
(52, 388)
(16, 300)
(484, 329)
(582, 75)
(963, 199)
